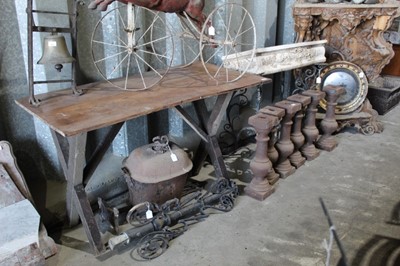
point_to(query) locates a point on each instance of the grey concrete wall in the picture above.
(284, 81)
(30, 138)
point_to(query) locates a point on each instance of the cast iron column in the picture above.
(310, 131)
(272, 153)
(259, 187)
(297, 137)
(329, 124)
(285, 146)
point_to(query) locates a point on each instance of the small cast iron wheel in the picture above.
(227, 203)
(235, 32)
(153, 247)
(132, 47)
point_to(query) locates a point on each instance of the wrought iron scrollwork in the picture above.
(233, 135)
(172, 219)
(228, 136)
(306, 78)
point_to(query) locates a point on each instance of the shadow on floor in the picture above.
(379, 250)
(395, 219)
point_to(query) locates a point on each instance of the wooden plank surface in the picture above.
(103, 105)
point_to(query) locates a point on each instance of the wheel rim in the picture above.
(232, 37)
(132, 47)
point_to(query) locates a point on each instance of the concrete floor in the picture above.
(359, 182)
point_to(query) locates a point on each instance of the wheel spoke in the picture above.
(155, 54)
(218, 70)
(147, 30)
(230, 42)
(244, 44)
(117, 66)
(214, 54)
(140, 72)
(240, 28)
(121, 19)
(108, 57)
(115, 35)
(127, 70)
(152, 68)
(191, 49)
(153, 41)
(109, 44)
(251, 28)
(225, 26)
(120, 35)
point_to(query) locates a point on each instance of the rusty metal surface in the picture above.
(194, 8)
(156, 172)
(158, 161)
(173, 218)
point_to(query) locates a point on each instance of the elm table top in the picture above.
(103, 105)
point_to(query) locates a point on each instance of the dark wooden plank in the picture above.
(191, 122)
(88, 221)
(76, 163)
(216, 157)
(100, 151)
(218, 113)
(103, 105)
(60, 152)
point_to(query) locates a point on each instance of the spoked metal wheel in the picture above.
(132, 47)
(235, 32)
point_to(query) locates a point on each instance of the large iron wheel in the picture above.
(132, 47)
(235, 32)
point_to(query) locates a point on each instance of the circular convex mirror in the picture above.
(352, 78)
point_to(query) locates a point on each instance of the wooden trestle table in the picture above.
(104, 106)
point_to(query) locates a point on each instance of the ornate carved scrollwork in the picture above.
(354, 32)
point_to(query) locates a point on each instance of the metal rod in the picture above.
(51, 29)
(32, 99)
(74, 37)
(161, 222)
(51, 12)
(52, 81)
(343, 259)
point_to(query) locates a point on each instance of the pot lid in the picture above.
(157, 162)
